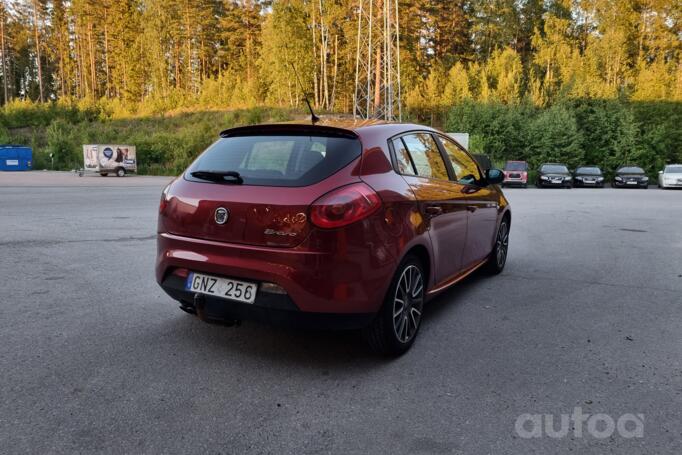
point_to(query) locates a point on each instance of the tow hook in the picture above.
(199, 303)
(199, 306)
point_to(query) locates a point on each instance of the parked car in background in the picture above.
(630, 177)
(588, 176)
(670, 176)
(516, 173)
(554, 175)
(335, 225)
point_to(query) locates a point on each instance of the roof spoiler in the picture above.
(289, 128)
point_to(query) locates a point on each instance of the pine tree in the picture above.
(451, 23)
(3, 53)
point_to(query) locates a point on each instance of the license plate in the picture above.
(632, 183)
(225, 288)
(557, 181)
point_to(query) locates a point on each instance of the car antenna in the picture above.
(313, 118)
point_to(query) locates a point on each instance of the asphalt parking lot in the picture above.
(96, 358)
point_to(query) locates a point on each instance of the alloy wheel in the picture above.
(408, 302)
(502, 244)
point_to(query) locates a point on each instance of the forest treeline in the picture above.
(523, 76)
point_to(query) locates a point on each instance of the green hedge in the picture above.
(607, 133)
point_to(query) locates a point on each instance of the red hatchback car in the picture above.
(515, 173)
(335, 225)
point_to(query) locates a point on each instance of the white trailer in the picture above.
(110, 158)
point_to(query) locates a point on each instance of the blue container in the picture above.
(15, 158)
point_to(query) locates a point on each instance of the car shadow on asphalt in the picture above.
(327, 349)
(453, 296)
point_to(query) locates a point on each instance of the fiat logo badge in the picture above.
(221, 215)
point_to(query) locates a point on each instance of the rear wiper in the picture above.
(219, 176)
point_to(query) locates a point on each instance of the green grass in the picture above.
(165, 144)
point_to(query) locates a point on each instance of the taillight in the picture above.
(344, 206)
(164, 199)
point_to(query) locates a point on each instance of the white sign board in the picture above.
(461, 138)
(12, 162)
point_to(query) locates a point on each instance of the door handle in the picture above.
(472, 208)
(433, 210)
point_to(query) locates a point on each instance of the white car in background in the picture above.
(670, 176)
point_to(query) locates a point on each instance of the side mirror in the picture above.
(660, 172)
(494, 176)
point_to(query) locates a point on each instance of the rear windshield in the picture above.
(515, 166)
(277, 160)
(631, 170)
(588, 171)
(558, 168)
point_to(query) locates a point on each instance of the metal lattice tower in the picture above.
(377, 64)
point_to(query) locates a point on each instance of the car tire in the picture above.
(103, 174)
(120, 172)
(393, 331)
(498, 257)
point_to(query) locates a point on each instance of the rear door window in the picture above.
(278, 160)
(426, 156)
(405, 165)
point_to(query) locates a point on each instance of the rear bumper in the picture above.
(351, 279)
(511, 181)
(274, 309)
